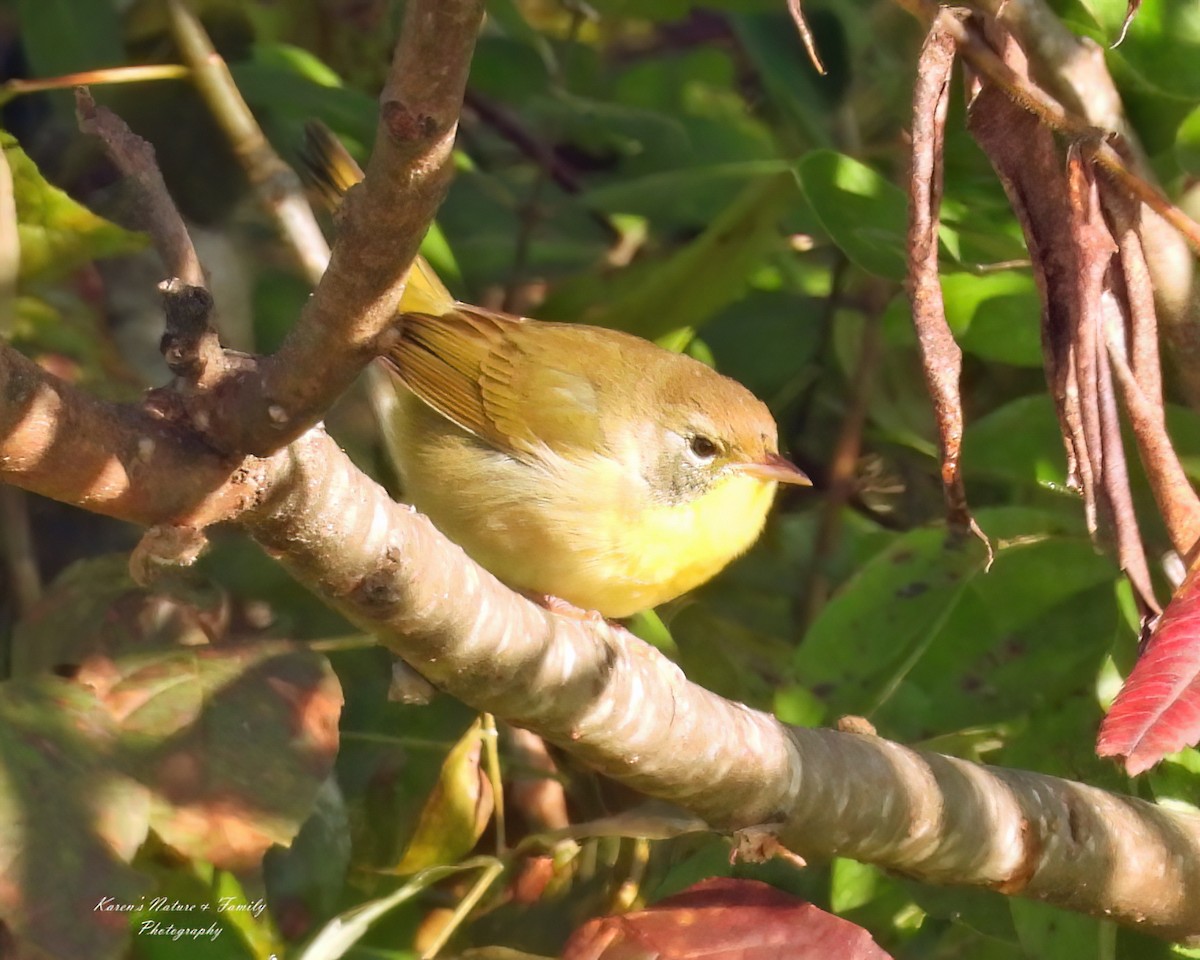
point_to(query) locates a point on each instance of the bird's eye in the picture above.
(702, 447)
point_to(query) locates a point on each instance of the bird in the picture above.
(581, 465)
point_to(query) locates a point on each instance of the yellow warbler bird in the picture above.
(574, 462)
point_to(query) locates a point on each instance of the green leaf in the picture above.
(926, 638)
(66, 36)
(1187, 143)
(234, 741)
(284, 91)
(1046, 931)
(1160, 49)
(94, 608)
(1019, 442)
(56, 233)
(996, 316)
(666, 194)
(711, 271)
(863, 213)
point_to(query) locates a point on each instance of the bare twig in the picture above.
(810, 43)
(142, 73)
(603, 694)
(841, 476)
(380, 231)
(190, 343)
(627, 710)
(509, 126)
(274, 182)
(121, 461)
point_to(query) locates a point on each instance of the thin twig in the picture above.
(155, 209)
(840, 483)
(383, 222)
(190, 343)
(143, 73)
(806, 35)
(275, 184)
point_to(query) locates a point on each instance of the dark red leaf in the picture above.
(724, 919)
(1158, 710)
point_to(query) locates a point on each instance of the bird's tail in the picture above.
(329, 171)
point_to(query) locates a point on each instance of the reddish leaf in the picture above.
(1158, 710)
(724, 919)
(95, 608)
(70, 823)
(233, 741)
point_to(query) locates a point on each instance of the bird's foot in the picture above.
(564, 608)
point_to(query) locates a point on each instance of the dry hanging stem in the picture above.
(940, 355)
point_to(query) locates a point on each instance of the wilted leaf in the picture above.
(69, 820)
(456, 812)
(1158, 710)
(233, 741)
(724, 919)
(56, 233)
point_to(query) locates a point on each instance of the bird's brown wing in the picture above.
(521, 385)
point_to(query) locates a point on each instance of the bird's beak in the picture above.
(775, 468)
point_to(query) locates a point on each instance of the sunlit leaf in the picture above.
(56, 233)
(863, 213)
(1158, 709)
(456, 812)
(708, 273)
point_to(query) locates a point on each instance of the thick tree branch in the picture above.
(621, 706)
(590, 687)
(121, 461)
(383, 223)
(598, 691)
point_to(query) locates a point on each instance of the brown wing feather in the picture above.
(450, 361)
(521, 385)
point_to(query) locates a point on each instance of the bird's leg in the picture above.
(565, 608)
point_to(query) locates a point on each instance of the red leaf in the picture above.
(724, 919)
(1158, 710)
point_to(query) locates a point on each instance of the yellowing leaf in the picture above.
(457, 811)
(56, 233)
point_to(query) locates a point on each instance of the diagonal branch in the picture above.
(603, 694)
(338, 333)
